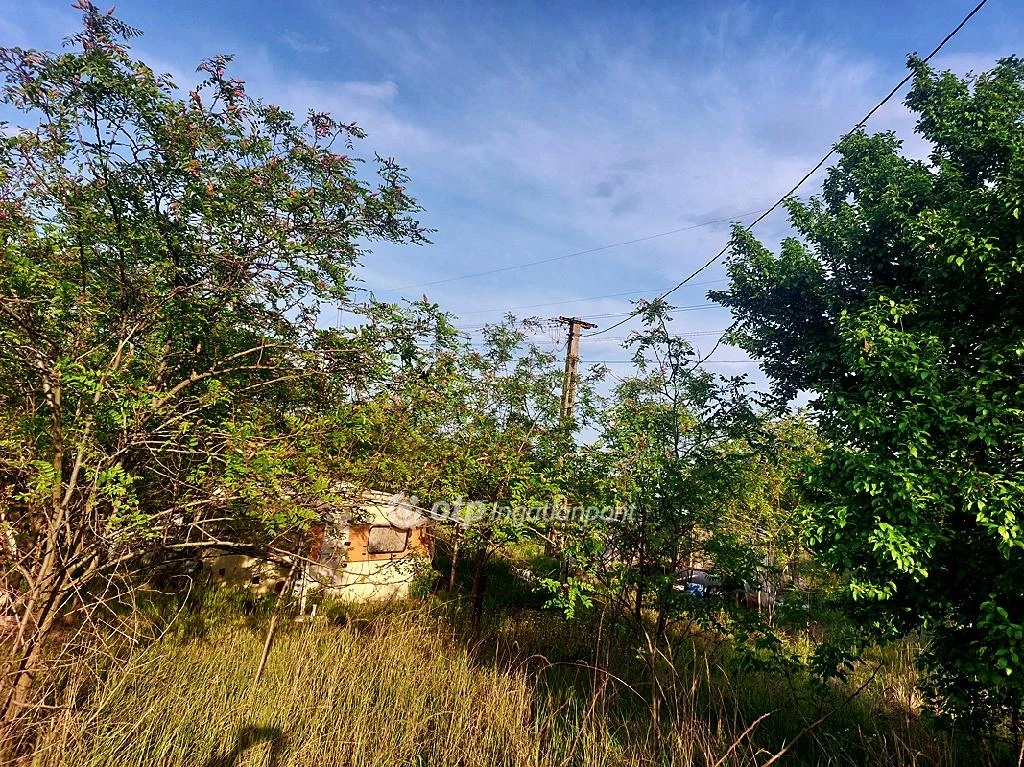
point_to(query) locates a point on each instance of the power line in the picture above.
(607, 315)
(817, 167)
(701, 362)
(685, 335)
(512, 267)
(690, 334)
(580, 300)
(676, 310)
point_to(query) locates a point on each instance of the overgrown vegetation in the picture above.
(899, 305)
(748, 584)
(420, 686)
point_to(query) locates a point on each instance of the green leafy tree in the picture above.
(474, 429)
(759, 514)
(164, 261)
(900, 308)
(705, 482)
(670, 458)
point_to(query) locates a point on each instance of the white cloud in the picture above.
(367, 91)
(527, 140)
(366, 103)
(300, 44)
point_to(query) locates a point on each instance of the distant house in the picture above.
(369, 550)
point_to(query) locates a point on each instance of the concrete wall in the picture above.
(346, 566)
(241, 571)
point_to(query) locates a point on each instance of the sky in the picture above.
(532, 131)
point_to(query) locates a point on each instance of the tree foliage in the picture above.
(164, 261)
(899, 308)
(706, 481)
(472, 429)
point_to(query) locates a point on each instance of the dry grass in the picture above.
(328, 697)
(417, 688)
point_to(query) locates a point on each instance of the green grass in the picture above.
(416, 686)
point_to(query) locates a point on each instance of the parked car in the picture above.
(700, 583)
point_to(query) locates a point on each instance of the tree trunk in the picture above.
(641, 573)
(1015, 727)
(479, 588)
(638, 603)
(457, 538)
(22, 677)
(23, 661)
(22, 666)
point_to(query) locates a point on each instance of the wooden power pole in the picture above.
(552, 540)
(572, 361)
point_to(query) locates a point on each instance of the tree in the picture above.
(472, 430)
(900, 309)
(164, 261)
(673, 453)
(703, 481)
(667, 427)
(759, 522)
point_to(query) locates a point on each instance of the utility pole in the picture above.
(572, 360)
(552, 540)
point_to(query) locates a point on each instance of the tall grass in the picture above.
(420, 688)
(328, 696)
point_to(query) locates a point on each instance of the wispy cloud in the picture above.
(379, 91)
(539, 132)
(300, 44)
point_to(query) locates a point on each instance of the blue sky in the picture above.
(535, 130)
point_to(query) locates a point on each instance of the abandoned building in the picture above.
(370, 550)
